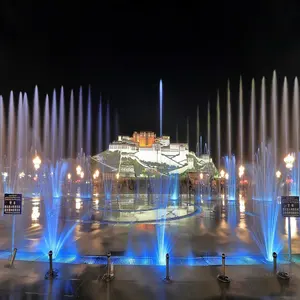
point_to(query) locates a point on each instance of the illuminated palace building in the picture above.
(144, 153)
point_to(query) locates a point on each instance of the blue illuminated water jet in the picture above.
(55, 233)
(161, 188)
(57, 177)
(174, 194)
(230, 166)
(266, 209)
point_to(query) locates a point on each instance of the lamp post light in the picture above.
(36, 162)
(81, 175)
(278, 174)
(78, 170)
(289, 161)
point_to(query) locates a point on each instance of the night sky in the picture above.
(123, 50)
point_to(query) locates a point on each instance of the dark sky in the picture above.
(123, 49)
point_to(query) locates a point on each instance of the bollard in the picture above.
(51, 274)
(13, 257)
(167, 278)
(50, 265)
(108, 264)
(274, 262)
(110, 271)
(222, 277)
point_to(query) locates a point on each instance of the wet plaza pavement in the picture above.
(26, 281)
(218, 226)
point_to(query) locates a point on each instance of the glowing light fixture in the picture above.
(226, 176)
(81, 175)
(241, 171)
(78, 170)
(69, 176)
(289, 161)
(278, 174)
(222, 173)
(36, 162)
(201, 176)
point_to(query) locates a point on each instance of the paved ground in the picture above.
(26, 281)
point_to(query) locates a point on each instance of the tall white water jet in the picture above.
(20, 131)
(284, 120)
(11, 132)
(241, 123)
(26, 126)
(2, 130)
(229, 146)
(274, 122)
(53, 128)
(208, 128)
(71, 127)
(263, 128)
(100, 127)
(36, 121)
(296, 116)
(252, 122)
(160, 108)
(107, 135)
(89, 124)
(198, 133)
(46, 143)
(61, 134)
(218, 133)
(80, 123)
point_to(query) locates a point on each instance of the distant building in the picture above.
(149, 153)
